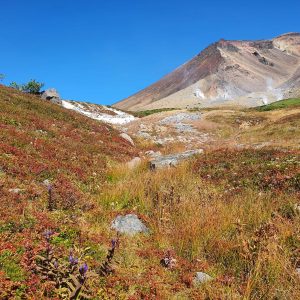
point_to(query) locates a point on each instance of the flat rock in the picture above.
(202, 277)
(129, 224)
(126, 137)
(173, 159)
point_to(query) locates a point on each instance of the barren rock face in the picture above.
(289, 42)
(227, 72)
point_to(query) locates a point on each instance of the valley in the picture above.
(223, 224)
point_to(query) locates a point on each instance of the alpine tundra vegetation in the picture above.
(221, 225)
(118, 185)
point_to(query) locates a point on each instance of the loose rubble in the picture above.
(173, 159)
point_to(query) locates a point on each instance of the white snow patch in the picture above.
(120, 117)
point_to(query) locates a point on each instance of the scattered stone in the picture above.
(52, 95)
(173, 159)
(168, 261)
(297, 209)
(245, 125)
(46, 182)
(16, 191)
(164, 140)
(152, 153)
(298, 271)
(180, 117)
(261, 145)
(41, 131)
(129, 224)
(126, 137)
(134, 163)
(202, 277)
(180, 127)
(144, 135)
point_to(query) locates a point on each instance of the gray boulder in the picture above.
(52, 95)
(173, 159)
(202, 277)
(134, 163)
(126, 137)
(129, 224)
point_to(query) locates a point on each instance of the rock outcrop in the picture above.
(52, 95)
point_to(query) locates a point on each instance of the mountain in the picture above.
(247, 73)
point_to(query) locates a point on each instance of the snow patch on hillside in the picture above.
(118, 118)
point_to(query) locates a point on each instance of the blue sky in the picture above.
(103, 51)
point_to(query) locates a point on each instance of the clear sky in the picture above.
(103, 51)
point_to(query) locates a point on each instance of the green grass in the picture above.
(287, 103)
(11, 267)
(145, 113)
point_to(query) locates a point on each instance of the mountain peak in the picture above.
(246, 72)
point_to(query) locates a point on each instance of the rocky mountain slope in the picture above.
(248, 73)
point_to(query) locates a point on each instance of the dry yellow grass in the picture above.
(246, 238)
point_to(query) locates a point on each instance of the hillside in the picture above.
(247, 73)
(51, 159)
(231, 213)
(40, 140)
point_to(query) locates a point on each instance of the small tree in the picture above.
(2, 76)
(32, 87)
(16, 86)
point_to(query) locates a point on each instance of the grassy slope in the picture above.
(42, 141)
(229, 213)
(279, 127)
(145, 113)
(287, 103)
